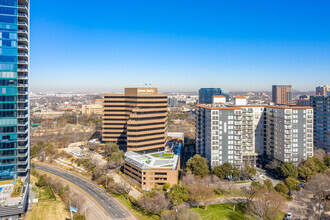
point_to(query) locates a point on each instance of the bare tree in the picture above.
(199, 194)
(315, 196)
(265, 205)
(119, 188)
(154, 202)
(320, 153)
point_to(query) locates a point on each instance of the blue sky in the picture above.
(106, 45)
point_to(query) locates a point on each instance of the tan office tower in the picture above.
(136, 120)
(282, 94)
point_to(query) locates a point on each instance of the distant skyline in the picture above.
(106, 45)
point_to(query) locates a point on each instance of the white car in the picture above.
(288, 216)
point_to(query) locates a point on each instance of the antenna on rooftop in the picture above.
(148, 85)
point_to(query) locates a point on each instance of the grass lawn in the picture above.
(164, 156)
(238, 182)
(46, 208)
(155, 155)
(222, 212)
(233, 193)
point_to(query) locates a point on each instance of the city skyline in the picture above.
(244, 46)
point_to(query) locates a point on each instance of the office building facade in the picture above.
(321, 106)
(206, 95)
(239, 133)
(322, 90)
(14, 101)
(136, 120)
(282, 94)
(148, 170)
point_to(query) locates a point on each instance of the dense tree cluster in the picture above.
(198, 165)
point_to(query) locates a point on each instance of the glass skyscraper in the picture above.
(14, 101)
(206, 95)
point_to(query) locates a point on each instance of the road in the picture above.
(111, 206)
(263, 172)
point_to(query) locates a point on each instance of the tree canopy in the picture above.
(198, 165)
(288, 169)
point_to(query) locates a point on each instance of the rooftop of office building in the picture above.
(158, 160)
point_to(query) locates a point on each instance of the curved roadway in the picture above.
(112, 207)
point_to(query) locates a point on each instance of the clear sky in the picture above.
(179, 45)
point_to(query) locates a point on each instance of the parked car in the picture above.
(288, 216)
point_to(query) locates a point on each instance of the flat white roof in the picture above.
(153, 160)
(175, 134)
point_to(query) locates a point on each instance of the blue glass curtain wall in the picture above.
(8, 89)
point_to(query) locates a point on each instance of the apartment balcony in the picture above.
(23, 32)
(22, 48)
(22, 101)
(22, 162)
(237, 117)
(22, 170)
(23, 108)
(22, 85)
(22, 123)
(22, 8)
(237, 127)
(23, 93)
(20, 15)
(23, 154)
(23, 55)
(287, 122)
(22, 40)
(22, 70)
(237, 113)
(23, 147)
(25, 77)
(22, 24)
(24, 62)
(22, 115)
(22, 139)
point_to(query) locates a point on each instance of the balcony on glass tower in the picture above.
(22, 43)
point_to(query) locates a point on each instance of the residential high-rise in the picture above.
(282, 94)
(322, 90)
(321, 106)
(173, 102)
(238, 133)
(206, 95)
(14, 101)
(136, 120)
